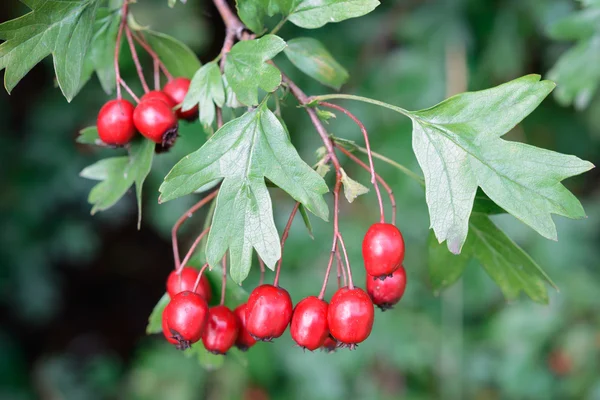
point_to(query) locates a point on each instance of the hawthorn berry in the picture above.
(186, 316)
(186, 281)
(244, 340)
(155, 120)
(350, 316)
(329, 345)
(168, 335)
(268, 312)
(177, 89)
(383, 250)
(159, 95)
(309, 323)
(115, 122)
(221, 330)
(385, 293)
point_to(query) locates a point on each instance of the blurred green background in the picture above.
(76, 290)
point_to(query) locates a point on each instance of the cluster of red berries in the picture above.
(346, 321)
(154, 117)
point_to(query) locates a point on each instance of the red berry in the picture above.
(385, 293)
(383, 250)
(221, 331)
(168, 335)
(115, 122)
(330, 345)
(186, 281)
(309, 323)
(186, 316)
(244, 340)
(156, 121)
(159, 95)
(268, 312)
(350, 316)
(177, 89)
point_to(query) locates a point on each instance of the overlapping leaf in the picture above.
(102, 50)
(179, 59)
(246, 69)
(244, 152)
(61, 28)
(458, 146)
(206, 90)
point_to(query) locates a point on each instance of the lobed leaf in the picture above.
(206, 90)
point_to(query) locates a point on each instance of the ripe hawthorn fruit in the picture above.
(268, 312)
(186, 281)
(155, 120)
(177, 89)
(186, 316)
(350, 316)
(159, 95)
(115, 122)
(383, 250)
(385, 293)
(309, 323)
(244, 340)
(221, 331)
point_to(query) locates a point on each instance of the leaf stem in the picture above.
(284, 237)
(199, 277)
(363, 129)
(224, 279)
(182, 219)
(395, 164)
(377, 176)
(278, 26)
(316, 99)
(136, 60)
(262, 271)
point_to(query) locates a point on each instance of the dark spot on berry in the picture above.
(385, 306)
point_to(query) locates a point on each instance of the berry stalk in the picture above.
(199, 277)
(118, 49)
(136, 60)
(284, 237)
(224, 279)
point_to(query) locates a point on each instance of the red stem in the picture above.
(262, 271)
(328, 270)
(199, 277)
(182, 219)
(192, 248)
(387, 187)
(340, 265)
(136, 60)
(142, 42)
(156, 74)
(350, 283)
(128, 89)
(284, 237)
(118, 48)
(366, 136)
(224, 280)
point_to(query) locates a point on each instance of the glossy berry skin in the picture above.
(155, 120)
(168, 335)
(177, 89)
(187, 282)
(158, 95)
(309, 323)
(115, 122)
(385, 293)
(244, 340)
(186, 316)
(268, 312)
(221, 330)
(350, 316)
(383, 250)
(329, 345)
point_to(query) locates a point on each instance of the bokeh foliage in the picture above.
(75, 291)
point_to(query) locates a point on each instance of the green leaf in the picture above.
(306, 220)
(89, 135)
(246, 69)
(312, 58)
(352, 189)
(61, 28)
(244, 152)
(231, 100)
(206, 90)
(304, 13)
(576, 73)
(506, 263)
(140, 163)
(155, 318)
(578, 25)
(458, 146)
(179, 59)
(102, 51)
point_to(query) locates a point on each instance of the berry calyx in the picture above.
(330, 345)
(221, 330)
(115, 122)
(155, 120)
(350, 316)
(385, 293)
(309, 323)
(177, 89)
(186, 316)
(159, 95)
(186, 281)
(268, 312)
(383, 250)
(244, 340)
